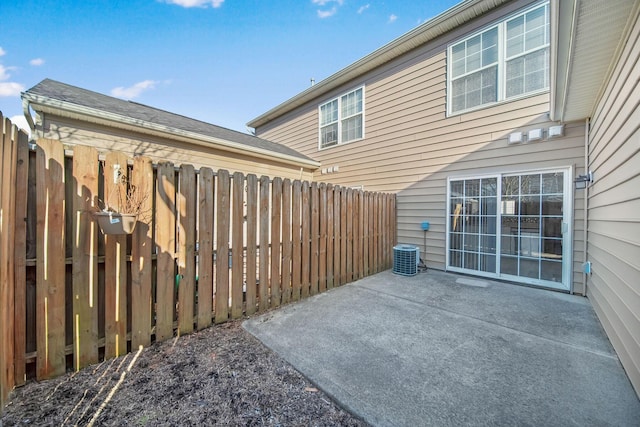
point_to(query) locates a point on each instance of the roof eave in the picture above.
(75, 111)
(446, 21)
(577, 86)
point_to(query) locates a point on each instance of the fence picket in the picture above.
(252, 236)
(315, 238)
(50, 264)
(20, 274)
(305, 243)
(344, 213)
(222, 247)
(336, 236)
(296, 244)
(322, 251)
(6, 330)
(263, 288)
(237, 236)
(286, 241)
(165, 233)
(8, 160)
(330, 225)
(276, 212)
(205, 250)
(115, 262)
(186, 248)
(350, 235)
(357, 235)
(85, 257)
(141, 247)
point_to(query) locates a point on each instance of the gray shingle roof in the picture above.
(71, 94)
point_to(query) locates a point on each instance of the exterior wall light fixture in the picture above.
(583, 181)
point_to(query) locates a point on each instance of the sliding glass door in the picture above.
(511, 226)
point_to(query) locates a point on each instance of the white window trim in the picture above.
(502, 81)
(340, 119)
(567, 267)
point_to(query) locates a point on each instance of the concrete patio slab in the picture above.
(443, 349)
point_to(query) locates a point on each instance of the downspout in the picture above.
(28, 118)
(585, 205)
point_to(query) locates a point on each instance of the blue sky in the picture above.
(220, 61)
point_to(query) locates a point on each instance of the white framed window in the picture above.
(507, 60)
(342, 119)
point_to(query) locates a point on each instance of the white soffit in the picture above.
(597, 28)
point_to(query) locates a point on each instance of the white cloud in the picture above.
(392, 18)
(327, 13)
(21, 122)
(4, 73)
(10, 89)
(196, 3)
(36, 62)
(363, 8)
(324, 2)
(133, 91)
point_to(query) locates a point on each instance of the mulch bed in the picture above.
(218, 376)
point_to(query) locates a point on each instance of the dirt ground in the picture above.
(218, 376)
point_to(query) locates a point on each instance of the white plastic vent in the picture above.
(406, 259)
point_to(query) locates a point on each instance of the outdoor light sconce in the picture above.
(555, 131)
(534, 135)
(515, 138)
(583, 181)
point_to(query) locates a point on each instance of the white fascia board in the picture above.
(79, 112)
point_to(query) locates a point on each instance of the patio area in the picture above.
(444, 349)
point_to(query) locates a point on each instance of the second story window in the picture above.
(504, 61)
(342, 119)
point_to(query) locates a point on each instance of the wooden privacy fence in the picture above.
(213, 246)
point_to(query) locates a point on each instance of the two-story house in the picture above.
(485, 121)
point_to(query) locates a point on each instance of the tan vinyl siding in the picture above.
(160, 149)
(614, 208)
(411, 146)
